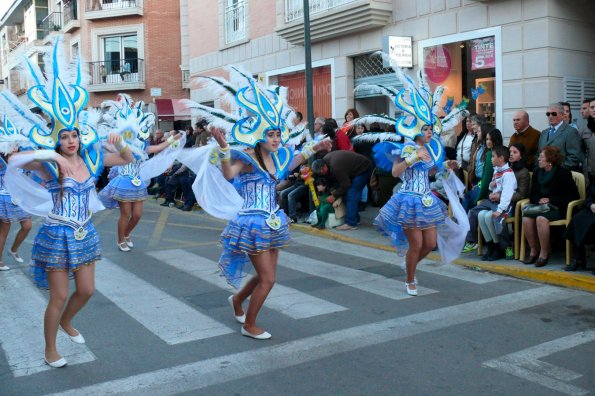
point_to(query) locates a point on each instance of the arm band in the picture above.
(412, 160)
(171, 139)
(307, 152)
(44, 155)
(224, 154)
(121, 146)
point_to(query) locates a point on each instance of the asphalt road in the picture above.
(342, 324)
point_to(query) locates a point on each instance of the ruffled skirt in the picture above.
(121, 189)
(249, 234)
(405, 211)
(11, 213)
(56, 249)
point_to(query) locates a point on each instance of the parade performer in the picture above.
(69, 160)
(127, 188)
(414, 217)
(10, 142)
(257, 226)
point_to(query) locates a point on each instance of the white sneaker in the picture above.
(15, 256)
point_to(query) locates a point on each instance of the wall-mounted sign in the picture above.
(400, 49)
(483, 53)
(156, 92)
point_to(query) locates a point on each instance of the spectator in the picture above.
(552, 189)
(526, 135)
(292, 195)
(157, 138)
(563, 136)
(189, 137)
(498, 206)
(478, 157)
(350, 172)
(568, 115)
(181, 178)
(521, 173)
(588, 137)
(325, 208)
(581, 231)
(202, 134)
(584, 116)
(350, 115)
(480, 191)
(464, 143)
(318, 124)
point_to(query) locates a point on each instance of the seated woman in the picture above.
(551, 186)
(582, 230)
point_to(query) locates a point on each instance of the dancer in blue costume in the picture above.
(10, 140)
(414, 217)
(127, 188)
(257, 226)
(70, 160)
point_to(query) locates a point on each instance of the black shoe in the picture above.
(497, 254)
(489, 251)
(530, 260)
(541, 262)
(576, 265)
(186, 208)
(166, 203)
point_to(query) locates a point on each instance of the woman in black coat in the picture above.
(582, 230)
(552, 185)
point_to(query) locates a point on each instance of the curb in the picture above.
(557, 278)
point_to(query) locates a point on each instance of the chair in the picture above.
(579, 180)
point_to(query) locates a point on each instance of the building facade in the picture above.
(130, 46)
(502, 55)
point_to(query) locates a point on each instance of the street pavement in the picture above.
(342, 324)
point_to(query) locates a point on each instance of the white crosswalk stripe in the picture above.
(170, 319)
(21, 336)
(362, 280)
(448, 270)
(288, 301)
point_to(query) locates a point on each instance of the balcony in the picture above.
(70, 16)
(185, 79)
(117, 75)
(51, 23)
(333, 18)
(99, 9)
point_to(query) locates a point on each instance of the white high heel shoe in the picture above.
(78, 339)
(57, 364)
(410, 291)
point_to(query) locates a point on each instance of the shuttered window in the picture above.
(578, 89)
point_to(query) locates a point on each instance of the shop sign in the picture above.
(400, 49)
(437, 63)
(483, 53)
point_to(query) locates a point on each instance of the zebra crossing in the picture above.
(175, 321)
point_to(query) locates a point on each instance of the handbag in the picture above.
(536, 209)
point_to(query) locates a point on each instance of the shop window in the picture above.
(467, 69)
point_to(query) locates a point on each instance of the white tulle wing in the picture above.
(160, 162)
(32, 197)
(451, 235)
(216, 195)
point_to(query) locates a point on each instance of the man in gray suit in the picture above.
(563, 136)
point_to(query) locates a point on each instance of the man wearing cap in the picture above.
(350, 172)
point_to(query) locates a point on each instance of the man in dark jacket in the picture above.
(350, 172)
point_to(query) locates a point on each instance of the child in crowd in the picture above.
(498, 206)
(324, 209)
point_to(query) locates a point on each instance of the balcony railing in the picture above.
(294, 9)
(118, 71)
(51, 23)
(111, 5)
(235, 22)
(70, 12)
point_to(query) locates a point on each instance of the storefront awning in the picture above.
(172, 110)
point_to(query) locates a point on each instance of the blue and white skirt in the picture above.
(9, 212)
(123, 189)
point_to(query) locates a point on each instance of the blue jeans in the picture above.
(353, 196)
(290, 198)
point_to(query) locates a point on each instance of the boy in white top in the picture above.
(491, 222)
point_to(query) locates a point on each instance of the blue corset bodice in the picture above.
(415, 179)
(259, 192)
(131, 170)
(74, 204)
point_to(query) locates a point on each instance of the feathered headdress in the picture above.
(11, 138)
(62, 98)
(259, 109)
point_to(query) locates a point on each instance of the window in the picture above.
(235, 20)
(120, 54)
(74, 51)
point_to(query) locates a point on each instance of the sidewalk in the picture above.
(553, 273)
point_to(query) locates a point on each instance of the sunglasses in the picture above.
(553, 114)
